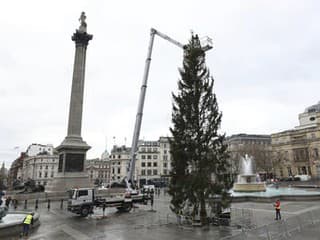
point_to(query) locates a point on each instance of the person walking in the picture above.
(277, 208)
(26, 224)
(8, 201)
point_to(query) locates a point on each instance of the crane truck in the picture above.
(83, 200)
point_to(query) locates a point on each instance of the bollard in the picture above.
(61, 204)
(25, 204)
(151, 201)
(103, 209)
(48, 204)
(15, 203)
(36, 207)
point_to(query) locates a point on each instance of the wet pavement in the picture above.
(142, 223)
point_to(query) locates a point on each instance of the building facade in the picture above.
(119, 160)
(98, 170)
(296, 151)
(41, 168)
(255, 145)
(153, 161)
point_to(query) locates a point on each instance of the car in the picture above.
(147, 188)
(302, 177)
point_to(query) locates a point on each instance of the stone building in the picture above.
(98, 169)
(35, 149)
(41, 168)
(296, 151)
(153, 161)
(256, 145)
(16, 169)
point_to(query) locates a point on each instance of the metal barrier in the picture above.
(281, 229)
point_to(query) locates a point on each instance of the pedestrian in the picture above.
(15, 203)
(8, 200)
(1, 195)
(277, 208)
(26, 224)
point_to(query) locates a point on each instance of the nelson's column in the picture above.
(72, 151)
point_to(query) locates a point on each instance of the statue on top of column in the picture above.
(83, 24)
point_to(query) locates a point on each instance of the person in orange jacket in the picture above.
(277, 208)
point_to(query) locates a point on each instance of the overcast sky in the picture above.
(265, 63)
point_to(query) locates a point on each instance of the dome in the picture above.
(313, 108)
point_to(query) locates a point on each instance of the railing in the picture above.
(282, 229)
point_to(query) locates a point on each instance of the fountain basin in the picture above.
(11, 224)
(271, 194)
(249, 187)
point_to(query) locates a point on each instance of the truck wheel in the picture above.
(125, 207)
(84, 212)
(29, 189)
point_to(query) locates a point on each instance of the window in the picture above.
(304, 170)
(165, 165)
(149, 157)
(149, 172)
(143, 172)
(46, 166)
(143, 156)
(165, 157)
(289, 171)
(149, 164)
(143, 164)
(155, 156)
(165, 145)
(118, 170)
(119, 156)
(40, 167)
(165, 171)
(316, 152)
(155, 164)
(40, 174)
(164, 151)
(46, 174)
(155, 172)
(51, 174)
(155, 149)
(112, 170)
(118, 163)
(143, 149)
(82, 193)
(52, 167)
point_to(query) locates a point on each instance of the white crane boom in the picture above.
(134, 145)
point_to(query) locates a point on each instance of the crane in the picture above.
(206, 45)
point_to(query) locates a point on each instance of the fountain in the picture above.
(3, 212)
(11, 222)
(248, 180)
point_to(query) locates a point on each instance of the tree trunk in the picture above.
(203, 212)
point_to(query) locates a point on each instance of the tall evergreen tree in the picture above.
(199, 157)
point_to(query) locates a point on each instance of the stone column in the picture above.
(72, 151)
(76, 102)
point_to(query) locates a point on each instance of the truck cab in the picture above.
(81, 201)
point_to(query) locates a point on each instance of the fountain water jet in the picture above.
(247, 179)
